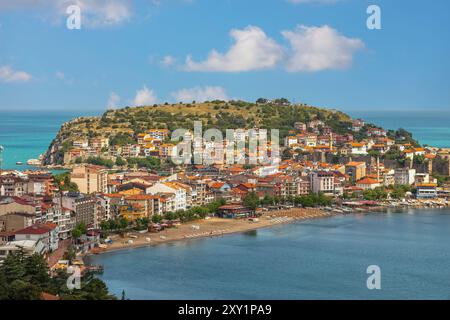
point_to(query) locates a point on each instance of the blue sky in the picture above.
(141, 52)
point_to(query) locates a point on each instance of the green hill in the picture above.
(122, 126)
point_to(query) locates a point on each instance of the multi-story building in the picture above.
(179, 193)
(355, 170)
(404, 176)
(46, 233)
(84, 209)
(358, 148)
(368, 184)
(13, 185)
(108, 206)
(160, 134)
(426, 191)
(304, 186)
(40, 184)
(322, 181)
(16, 221)
(90, 179)
(148, 205)
(62, 217)
(81, 143)
(99, 143)
(167, 150)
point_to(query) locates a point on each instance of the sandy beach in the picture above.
(212, 227)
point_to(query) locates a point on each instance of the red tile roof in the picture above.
(36, 229)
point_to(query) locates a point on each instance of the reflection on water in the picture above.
(251, 233)
(320, 259)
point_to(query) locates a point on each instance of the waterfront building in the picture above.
(426, 191)
(148, 204)
(234, 211)
(179, 193)
(404, 176)
(368, 183)
(322, 181)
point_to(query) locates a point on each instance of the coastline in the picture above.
(218, 227)
(210, 228)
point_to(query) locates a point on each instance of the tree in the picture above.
(251, 200)
(79, 230)
(64, 183)
(375, 194)
(120, 162)
(99, 161)
(123, 223)
(261, 101)
(76, 233)
(70, 254)
(270, 200)
(374, 153)
(399, 191)
(27, 277)
(156, 218)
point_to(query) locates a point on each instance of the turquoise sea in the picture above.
(27, 134)
(323, 259)
(431, 127)
(317, 259)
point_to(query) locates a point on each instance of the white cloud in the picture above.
(113, 100)
(168, 61)
(94, 13)
(8, 74)
(60, 75)
(252, 50)
(145, 97)
(200, 94)
(319, 48)
(311, 49)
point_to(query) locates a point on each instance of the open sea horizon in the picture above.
(317, 259)
(27, 134)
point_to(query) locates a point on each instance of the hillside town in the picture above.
(105, 193)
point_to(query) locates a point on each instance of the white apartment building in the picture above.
(404, 176)
(180, 199)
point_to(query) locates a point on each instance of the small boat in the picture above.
(33, 162)
(19, 163)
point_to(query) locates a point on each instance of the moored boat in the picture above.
(33, 162)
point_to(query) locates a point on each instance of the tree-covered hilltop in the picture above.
(121, 126)
(118, 124)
